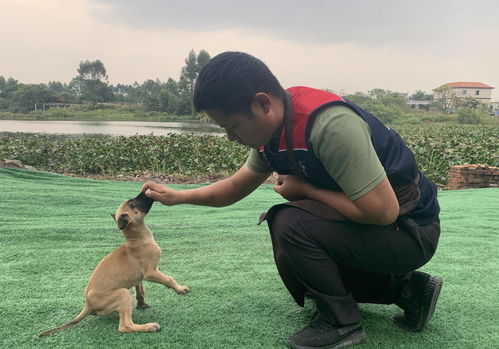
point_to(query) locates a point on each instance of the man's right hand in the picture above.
(161, 193)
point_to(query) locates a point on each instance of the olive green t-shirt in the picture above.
(341, 140)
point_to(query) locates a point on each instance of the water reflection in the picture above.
(113, 128)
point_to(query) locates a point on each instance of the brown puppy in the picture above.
(125, 267)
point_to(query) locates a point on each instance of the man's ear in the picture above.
(123, 221)
(262, 100)
(114, 216)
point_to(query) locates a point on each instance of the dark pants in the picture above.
(341, 263)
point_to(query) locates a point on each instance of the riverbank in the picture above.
(85, 113)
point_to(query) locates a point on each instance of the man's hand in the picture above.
(291, 187)
(161, 193)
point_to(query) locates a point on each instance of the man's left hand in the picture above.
(291, 187)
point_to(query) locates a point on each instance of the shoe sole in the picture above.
(355, 338)
(432, 291)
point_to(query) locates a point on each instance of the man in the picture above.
(361, 217)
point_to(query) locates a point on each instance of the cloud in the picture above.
(423, 23)
(45, 41)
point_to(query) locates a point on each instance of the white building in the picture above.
(476, 90)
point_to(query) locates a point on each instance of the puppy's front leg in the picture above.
(168, 281)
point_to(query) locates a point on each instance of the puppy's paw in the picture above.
(182, 290)
(153, 327)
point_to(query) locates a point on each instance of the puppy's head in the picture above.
(133, 211)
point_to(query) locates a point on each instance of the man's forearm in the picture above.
(226, 191)
(349, 208)
(338, 201)
(218, 194)
(222, 193)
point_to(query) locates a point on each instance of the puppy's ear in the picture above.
(122, 221)
(114, 216)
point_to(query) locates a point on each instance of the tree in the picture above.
(172, 87)
(469, 102)
(8, 87)
(92, 70)
(444, 98)
(91, 83)
(379, 93)
(167, 101)
(24, 98)
(188, 76)
(386, 105)
(56, 86)
(202, 59)
(187, 80)
(421, 96)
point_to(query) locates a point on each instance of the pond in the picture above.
(113, 128)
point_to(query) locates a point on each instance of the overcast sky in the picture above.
(354, 45)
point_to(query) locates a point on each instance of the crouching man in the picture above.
(360, 217)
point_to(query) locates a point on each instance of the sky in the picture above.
(345, 46)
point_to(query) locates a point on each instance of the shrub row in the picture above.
(188, 155)
(436, 147)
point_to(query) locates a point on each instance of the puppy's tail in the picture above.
(83, 314)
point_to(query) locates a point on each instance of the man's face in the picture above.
(240, 127)
(254, 128)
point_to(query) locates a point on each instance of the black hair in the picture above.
(230, 80)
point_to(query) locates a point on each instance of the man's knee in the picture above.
(285, 223)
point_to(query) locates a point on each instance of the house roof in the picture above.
(468, 85)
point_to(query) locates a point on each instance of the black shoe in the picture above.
(321, 334)
(417, 316)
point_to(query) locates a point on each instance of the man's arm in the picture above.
(222, 193)
(379, 206)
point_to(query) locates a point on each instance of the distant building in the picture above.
(416, 104)
(475, 90)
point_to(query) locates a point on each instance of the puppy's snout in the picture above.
(141, 202)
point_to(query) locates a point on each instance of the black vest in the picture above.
(398, 161)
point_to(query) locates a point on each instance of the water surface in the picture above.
(113, 128)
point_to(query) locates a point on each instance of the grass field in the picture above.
(55, 229)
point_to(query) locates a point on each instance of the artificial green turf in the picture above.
(55, 229)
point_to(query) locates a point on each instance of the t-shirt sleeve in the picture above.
(341, 140)
(256, 163)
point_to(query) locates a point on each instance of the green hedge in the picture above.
(436, 147)
(174, 154)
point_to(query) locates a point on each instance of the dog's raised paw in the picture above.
(182, 290)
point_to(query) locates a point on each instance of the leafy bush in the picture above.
(435, 146)
(467, 115)
(180, 154)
